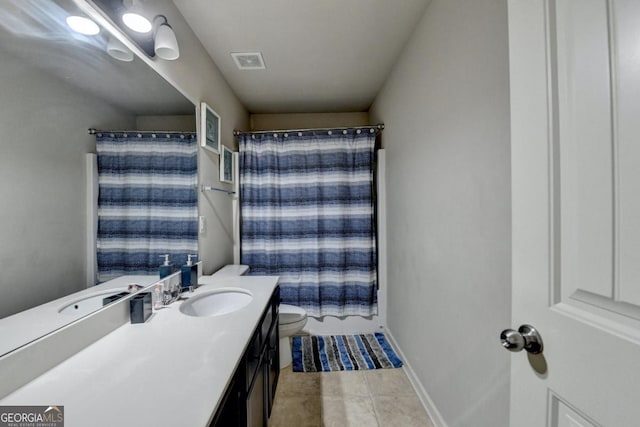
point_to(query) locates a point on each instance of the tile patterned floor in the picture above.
(381, 397)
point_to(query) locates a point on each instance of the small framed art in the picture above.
(209, 128)
(226, 165)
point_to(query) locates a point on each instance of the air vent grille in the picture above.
(249, 60)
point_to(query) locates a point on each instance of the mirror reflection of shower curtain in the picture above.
(147, 204)
(308, 217)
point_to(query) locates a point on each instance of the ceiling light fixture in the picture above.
(83, 25)
(165, 42)
(117, 50)
(133, 17)
(159, 42)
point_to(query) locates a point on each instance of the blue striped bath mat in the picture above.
(342, 353)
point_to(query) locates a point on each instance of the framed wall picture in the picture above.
(226, 165)
(209, 128)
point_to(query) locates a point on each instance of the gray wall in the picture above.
(307, 120)
(181, 123)
(43, 142)
(199, 79)
(446, 110)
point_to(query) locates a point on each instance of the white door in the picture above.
(575, 125)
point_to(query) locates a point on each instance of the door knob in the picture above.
(525, 338)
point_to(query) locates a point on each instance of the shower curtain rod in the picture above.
(93, 131)
(204, 188)
(378, 127)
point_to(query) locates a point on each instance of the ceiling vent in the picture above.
(249, 60)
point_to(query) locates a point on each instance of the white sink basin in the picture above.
(88, 304)
(216, 303)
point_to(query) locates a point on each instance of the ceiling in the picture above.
(320, 55)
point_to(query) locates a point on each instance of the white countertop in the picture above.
(170, 371)
(26, 326)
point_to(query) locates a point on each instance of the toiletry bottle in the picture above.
(166, 268)
(189, 274)
(157, 296)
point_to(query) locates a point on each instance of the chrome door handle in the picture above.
(525, 338)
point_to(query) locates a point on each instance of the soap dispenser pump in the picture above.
(166, 269)
(189, 274)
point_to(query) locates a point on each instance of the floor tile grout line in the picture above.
(373, 403)
(375, 411)
(370, 398)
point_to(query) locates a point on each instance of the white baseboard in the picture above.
(425, 399)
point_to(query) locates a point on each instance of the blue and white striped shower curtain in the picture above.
(147, 203)
(307, 216)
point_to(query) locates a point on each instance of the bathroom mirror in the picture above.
(54, 85)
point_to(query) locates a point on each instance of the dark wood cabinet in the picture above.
(256, 405)
(248, 399)
(230, 412)
(272, 364)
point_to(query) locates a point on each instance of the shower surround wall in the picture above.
(446, 112)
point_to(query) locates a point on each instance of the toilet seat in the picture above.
(291, 314)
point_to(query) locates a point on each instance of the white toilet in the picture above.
(291, 319)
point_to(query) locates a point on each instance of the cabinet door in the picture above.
(229, 413)
(256, 400)
(272, 366)
(252, 357)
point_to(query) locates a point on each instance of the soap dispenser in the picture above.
(166, 269)
(189, 274)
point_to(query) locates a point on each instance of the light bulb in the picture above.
(83, 25)
(136, 22)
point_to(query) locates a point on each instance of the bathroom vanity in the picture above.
(176, 369)
(249, 396)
